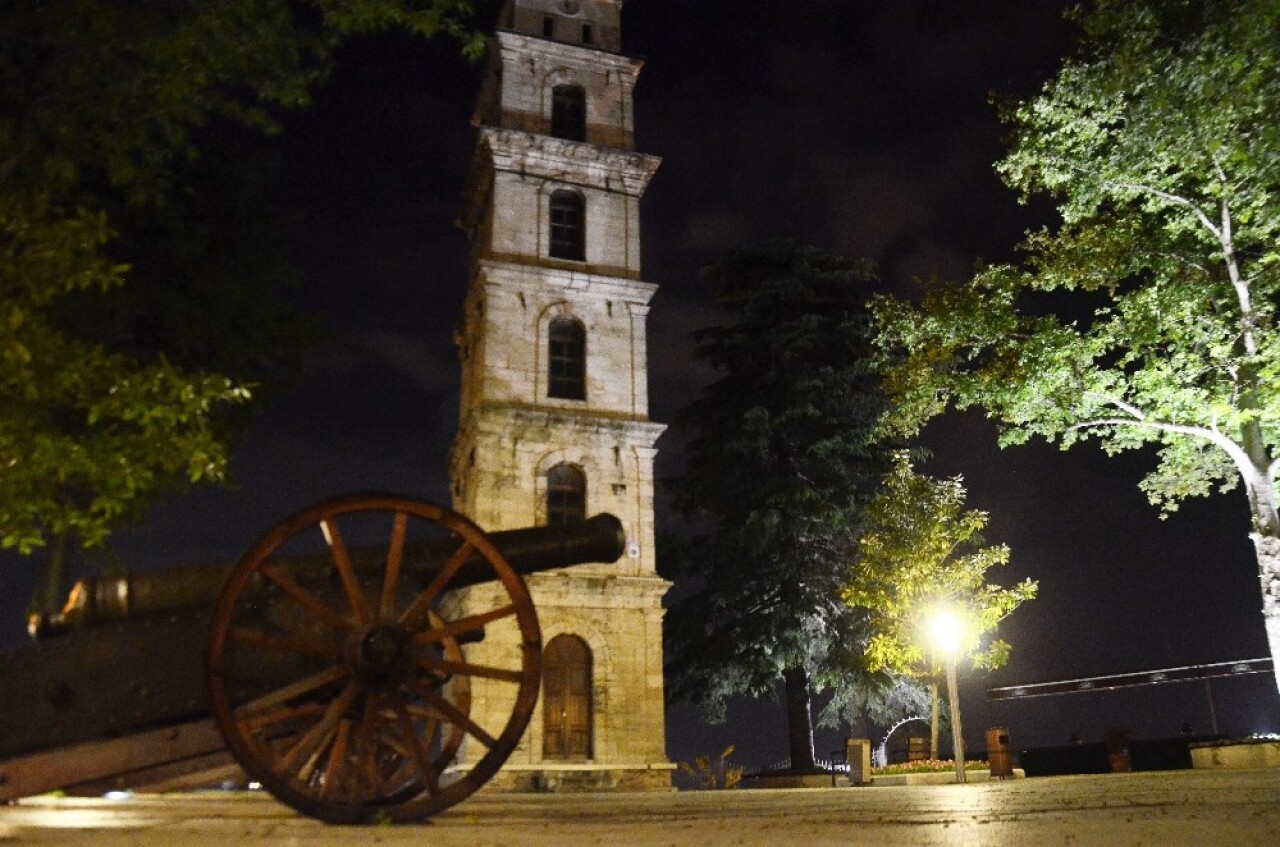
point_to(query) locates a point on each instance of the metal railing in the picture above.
(835, 764)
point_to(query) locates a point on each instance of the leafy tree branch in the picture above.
(1157, 140)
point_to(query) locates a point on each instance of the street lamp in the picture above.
(947, 632)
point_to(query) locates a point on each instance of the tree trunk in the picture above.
(799, 720)
(933, 718)
(1266, 534)
(1266, 545)
(51, 593)
(957, 731)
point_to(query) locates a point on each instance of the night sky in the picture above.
(858, 126)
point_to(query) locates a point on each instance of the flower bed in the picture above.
(928, 766)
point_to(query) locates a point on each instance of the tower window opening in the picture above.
(566, 240)
(569, 112)
(567, 359)
(566, 494)
(548, 27)
(587, 35)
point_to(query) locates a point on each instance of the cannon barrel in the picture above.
(96, 600)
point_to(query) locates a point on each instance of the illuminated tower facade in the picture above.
(554, 418)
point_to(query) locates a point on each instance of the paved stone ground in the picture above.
(1202, 808)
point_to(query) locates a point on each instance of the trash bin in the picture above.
(917, 749)
(858, 754)
(999, 752)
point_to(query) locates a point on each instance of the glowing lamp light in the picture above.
(946, 630)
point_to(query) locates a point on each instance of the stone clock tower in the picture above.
(554, 420)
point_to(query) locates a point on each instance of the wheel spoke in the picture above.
(423, 602)
(337, 758)
(428, 716)
(431, 663)
(367, 752)
(312, 743)
(395, 553)
(416, 753)
(471, 623)
(450, 714)
(305, 598)
(256, 722)
(430, 720)
(433, 727)
(342, 561)
(283, 695)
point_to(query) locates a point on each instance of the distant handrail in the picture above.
(834, 764)
(1186, 673)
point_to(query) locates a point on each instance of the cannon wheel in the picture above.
(365, 721)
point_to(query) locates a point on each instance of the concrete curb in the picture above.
(940, 778)
(1255, 754)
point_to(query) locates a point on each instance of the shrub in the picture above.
(709, 772)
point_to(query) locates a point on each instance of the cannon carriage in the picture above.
(331, 659)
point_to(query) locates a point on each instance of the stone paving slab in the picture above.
(1232, 808)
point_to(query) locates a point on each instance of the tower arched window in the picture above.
(569, 112)
(566, 494)
(567, 359)
(567, 238)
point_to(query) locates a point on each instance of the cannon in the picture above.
(335, 662)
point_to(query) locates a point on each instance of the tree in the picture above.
(865, 701)
(1159, 143)
(121, 352)
(921, 550)
(781, 460)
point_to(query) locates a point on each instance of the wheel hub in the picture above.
(380, 652)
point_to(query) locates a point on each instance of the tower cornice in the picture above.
(521, 275)
(500, 418)
(575, 162)
(588, 56)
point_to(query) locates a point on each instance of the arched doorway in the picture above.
(566, 699)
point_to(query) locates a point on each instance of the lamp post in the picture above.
(947, 631)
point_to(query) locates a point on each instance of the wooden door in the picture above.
(566, 699)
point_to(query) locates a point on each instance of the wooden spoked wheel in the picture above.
(337, 659)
